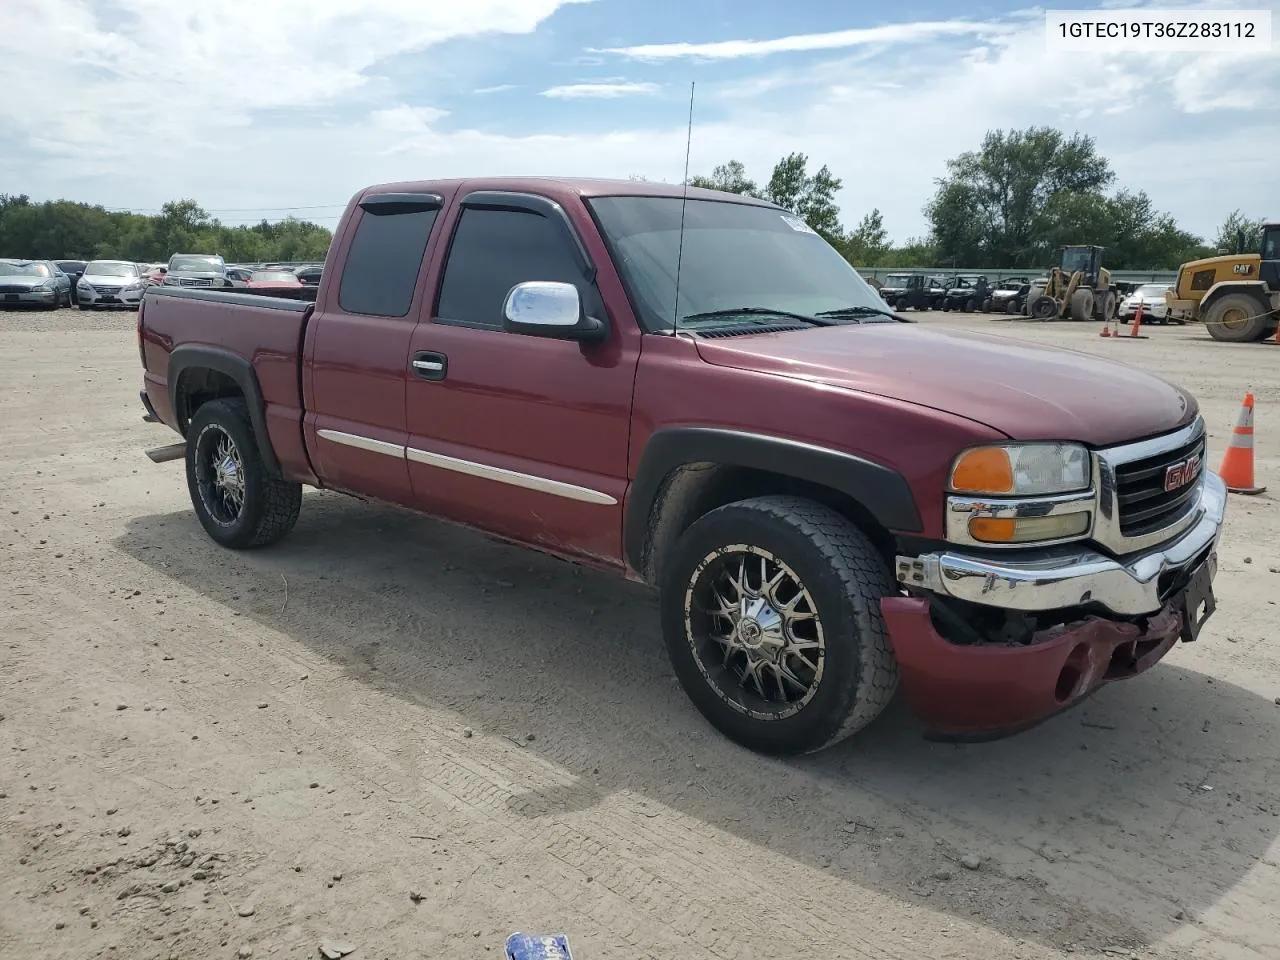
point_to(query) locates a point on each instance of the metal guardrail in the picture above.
(995, 273)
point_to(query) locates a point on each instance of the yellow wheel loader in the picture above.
(1079, 288)
(1236, 296)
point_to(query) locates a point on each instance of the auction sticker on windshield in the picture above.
(798, 225)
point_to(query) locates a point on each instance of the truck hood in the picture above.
(1025, 392)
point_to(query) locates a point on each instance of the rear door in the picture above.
(519, 435)
(358, 338)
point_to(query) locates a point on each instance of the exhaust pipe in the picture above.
(174, 451)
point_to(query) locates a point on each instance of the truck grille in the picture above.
(10, 288)
(191, 282)
(1145, 506)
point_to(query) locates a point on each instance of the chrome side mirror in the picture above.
(544, 308)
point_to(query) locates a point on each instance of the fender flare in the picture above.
(883, 491)
(1257, 288)
(240, 370)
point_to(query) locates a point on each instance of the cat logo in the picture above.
(1244, 268)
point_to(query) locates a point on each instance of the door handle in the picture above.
(430, 366)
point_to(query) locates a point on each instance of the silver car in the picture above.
(110, 283)
(33, 283)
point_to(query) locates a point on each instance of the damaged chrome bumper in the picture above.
(1074, 575)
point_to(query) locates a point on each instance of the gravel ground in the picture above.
(400, 735)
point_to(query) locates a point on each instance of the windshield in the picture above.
(111, 268)
(897, 280)
(1271, 244)
(1073, 260)
(24, 270)
(734, 255)
(272, 275)
(1156, 290)
(196, 264)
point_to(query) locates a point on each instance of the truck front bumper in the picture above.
(980, 691)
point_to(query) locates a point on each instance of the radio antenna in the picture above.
(684, 202)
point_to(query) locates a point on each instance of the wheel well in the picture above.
(199, 385)
(1254, 291)
(695, 489)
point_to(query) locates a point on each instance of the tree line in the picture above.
(1012, 203)
(63, 230)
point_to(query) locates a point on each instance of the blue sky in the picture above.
(253, 109)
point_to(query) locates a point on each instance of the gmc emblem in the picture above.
(1180, 474)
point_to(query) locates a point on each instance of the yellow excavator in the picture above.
(1236, 296)
(1079, 288)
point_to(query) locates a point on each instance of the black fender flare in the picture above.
(197, 357)
(881, 490)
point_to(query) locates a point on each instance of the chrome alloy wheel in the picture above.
(220, 475)
(755, 631)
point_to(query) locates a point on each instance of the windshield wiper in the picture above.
(759, 311)
(859, 311)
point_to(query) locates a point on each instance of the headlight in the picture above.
(997, 530)
(1021, 470)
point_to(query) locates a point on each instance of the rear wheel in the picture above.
(771, 615)
(1012, 307)
(971, 305)
(237, 501)
(1237, 318)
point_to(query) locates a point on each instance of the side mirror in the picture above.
(542, 308)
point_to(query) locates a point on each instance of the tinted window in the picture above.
(492, 251)
(383, 262)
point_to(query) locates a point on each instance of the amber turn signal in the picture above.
(1028, 529)
(984, 470)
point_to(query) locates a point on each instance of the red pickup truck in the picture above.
(699, 393)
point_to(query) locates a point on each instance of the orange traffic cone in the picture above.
(1237, 463)
(1106, 330)
(1137, 321)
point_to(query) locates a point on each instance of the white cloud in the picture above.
(811, 42)
(159, 102)
(600, 91)
(500, 88)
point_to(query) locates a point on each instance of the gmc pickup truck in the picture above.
(697, 392)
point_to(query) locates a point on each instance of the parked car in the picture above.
(1150, 296)
(903, 290)
(502, 354)
(110, 283)
(238, 275)
(967, 292)
(1007, 296)
(74, 269)
(33, 283)
(195, 270)
(310, 275)
(278, 283)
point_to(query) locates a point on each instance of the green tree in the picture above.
(64, 230)
(868, 242)
(810, 197)
(730, 177)
(1000, 202)
(1228, 235)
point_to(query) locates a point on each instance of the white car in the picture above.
(110, 283)
(1151, 297)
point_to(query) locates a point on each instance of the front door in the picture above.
(523, 436)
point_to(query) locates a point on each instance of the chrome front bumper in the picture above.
(29, 297)
(99, 298)
(1074, 575)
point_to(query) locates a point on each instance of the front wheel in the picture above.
(771, 615)
(237, 501)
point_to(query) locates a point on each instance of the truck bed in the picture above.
(267, 332)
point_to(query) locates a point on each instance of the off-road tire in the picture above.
(1043, 307)
(270, 506)
(1241, 304)
(1108, 307)
(846, 577)
(1081, 306)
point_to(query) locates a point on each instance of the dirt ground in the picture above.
(410, 738)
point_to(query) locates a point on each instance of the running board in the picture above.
(174, 451)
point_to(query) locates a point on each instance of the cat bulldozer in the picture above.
(1079, 288)
(1236, 296)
